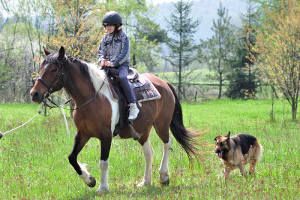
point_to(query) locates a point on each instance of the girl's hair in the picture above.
(117, 30)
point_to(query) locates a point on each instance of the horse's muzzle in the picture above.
(36, 96)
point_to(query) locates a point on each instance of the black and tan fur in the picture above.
(237, 151)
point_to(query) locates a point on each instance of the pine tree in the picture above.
(218, 50)
(242, 79)
(182, 26)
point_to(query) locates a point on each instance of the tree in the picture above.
(219, 48)
(146, 37)
(278, 47)
(144, 34)
(242, 79)
(77, 27)
(20, 47)
(181, 43)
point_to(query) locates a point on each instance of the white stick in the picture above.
(63, 112)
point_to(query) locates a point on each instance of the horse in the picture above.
(96, 114)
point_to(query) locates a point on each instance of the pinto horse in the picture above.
(96, 114)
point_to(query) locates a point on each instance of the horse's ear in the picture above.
(61, 53)
(46, 51)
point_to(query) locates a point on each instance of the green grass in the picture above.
(34, 164)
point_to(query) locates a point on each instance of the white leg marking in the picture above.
(148, 154)
(85, 176)
(104, 177)
(164, 168)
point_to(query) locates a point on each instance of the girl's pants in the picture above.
(123, 72)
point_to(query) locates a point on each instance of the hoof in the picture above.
(92, 182)
(165, 183)
(102, 190)
(164, 178)
(143, 183)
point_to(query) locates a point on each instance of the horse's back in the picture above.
(167, 100)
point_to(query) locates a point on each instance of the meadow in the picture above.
(34, 164)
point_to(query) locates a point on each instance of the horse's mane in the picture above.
(82, 65)
(53, 59)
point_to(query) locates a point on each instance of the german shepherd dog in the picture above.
(237, 151)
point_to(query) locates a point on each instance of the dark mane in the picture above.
(53, 59)
(82, 65)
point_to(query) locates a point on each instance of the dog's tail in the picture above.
(184, 137)
(259, 152)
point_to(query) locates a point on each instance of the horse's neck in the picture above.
(83, 88)
(78, 87)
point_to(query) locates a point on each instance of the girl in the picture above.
(114, 52)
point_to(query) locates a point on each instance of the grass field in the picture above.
(34, 164)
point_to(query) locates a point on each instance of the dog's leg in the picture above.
(226, 173)
(252, 166)
(241, 167)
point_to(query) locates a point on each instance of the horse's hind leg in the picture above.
(81, 168)
(163, 132)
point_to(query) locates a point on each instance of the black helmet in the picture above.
(111, 18)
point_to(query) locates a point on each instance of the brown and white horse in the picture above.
(97, 114)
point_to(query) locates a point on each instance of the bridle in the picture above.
(51, 86)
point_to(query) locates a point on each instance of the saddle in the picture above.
(142, 87)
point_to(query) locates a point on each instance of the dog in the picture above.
(237, 151)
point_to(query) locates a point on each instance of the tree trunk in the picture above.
(294, 110)
(220, 85)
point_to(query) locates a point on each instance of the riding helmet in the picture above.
(111, 18)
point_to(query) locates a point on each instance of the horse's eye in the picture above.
(54, 70)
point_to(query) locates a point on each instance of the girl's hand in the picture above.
(103, 63)
(109, 64)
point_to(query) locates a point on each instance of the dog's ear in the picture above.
(228, 135)
(216, 138)
(228, 138)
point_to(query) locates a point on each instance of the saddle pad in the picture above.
(143, 89)
(146, 92)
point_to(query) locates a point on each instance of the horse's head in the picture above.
(51, 75)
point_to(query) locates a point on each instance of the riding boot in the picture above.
(133, 111)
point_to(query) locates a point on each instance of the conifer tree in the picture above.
(242, 79)
(181, 43)
(218, 50)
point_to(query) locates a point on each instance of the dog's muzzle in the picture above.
(219, 152)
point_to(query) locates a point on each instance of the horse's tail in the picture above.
(185, 138)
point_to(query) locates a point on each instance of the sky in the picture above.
(156, 2)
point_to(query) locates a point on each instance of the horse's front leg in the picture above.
(105, 149)
(148, 155)
(81, 170)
